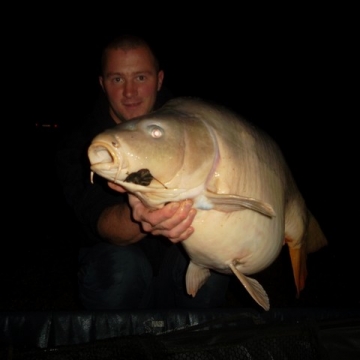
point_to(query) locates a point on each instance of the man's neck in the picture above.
(115, 117)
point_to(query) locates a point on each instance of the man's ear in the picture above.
(101, 82)
(160, 79)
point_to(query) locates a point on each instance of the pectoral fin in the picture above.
(196, 277)
(229, 202)
(253, 287)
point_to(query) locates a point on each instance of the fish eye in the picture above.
(156, 131)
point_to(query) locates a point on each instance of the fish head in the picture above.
(123, 150)
(154, 154)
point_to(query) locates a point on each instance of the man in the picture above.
(130, 263)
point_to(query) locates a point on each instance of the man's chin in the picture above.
(129, 114)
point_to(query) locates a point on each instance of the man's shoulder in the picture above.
(98, 118)
(84, 128)
(163, 96)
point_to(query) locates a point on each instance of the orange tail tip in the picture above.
(298, 262)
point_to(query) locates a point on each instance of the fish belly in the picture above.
(247, 239)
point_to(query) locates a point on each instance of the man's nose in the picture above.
(130, 89)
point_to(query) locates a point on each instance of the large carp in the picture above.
(248, 203)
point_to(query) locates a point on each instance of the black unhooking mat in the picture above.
(284, 334)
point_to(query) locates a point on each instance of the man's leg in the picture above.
(115, 277)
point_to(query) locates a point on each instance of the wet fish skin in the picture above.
(248, 203)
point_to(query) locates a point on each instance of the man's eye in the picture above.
(141, 77)
(117, 79)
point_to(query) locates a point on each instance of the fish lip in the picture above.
(101, 154)
(104, 159)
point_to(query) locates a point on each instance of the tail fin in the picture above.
(315, 238)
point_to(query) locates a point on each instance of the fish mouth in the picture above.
(106, 162)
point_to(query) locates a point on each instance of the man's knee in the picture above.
(113, 277)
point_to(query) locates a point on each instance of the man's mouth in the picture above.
(132, 105)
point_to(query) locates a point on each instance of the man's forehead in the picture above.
(135, 60)
(135, 52)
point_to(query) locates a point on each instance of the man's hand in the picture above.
(172, 221)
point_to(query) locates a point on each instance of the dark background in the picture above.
(292, 78)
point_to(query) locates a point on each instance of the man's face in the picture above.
(131, 82)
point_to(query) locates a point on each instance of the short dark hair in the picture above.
(126, 42)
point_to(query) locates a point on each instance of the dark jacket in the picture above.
(87, 199)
